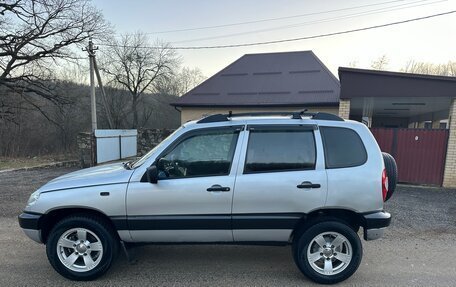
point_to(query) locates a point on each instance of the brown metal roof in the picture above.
(357, 83)
(271, 79)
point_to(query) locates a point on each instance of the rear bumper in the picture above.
(375, 224)
(30, 224)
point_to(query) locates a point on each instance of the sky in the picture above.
(432, 40)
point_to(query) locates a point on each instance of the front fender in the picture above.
(108, 199)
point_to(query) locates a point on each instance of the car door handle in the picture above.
(218, 187)
(308, 184)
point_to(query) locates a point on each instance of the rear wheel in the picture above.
(391, 172)
(328, 252)
(81, 247)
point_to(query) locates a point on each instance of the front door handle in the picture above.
(217, 188)
(308, 184)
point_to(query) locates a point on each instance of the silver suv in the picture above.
(300, 179)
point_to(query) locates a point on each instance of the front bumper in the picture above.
(375, 224)
(30, 223)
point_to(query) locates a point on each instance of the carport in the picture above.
(411, 117)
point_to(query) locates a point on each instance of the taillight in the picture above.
(384, 184)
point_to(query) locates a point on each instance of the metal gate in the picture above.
(419, 153)
(115, 144)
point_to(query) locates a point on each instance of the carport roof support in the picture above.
(360, 83)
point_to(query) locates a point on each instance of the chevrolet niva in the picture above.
(309, 180)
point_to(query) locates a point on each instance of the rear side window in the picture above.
(343, 147)
(280, 150)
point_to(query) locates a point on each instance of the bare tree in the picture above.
(119, 102)
(353, 64)
(381, 63)
(35, 37)
(448, 69)
(137, 66)
(180, 83)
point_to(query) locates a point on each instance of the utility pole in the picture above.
(103, 95)
(93, 103)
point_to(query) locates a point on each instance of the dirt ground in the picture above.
(416, 250)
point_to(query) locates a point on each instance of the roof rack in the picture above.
(297, 115)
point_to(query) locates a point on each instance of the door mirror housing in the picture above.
(152, 174)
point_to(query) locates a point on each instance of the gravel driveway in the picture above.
(416, 250)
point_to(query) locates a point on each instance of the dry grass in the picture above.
(11, 163)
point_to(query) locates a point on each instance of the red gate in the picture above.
(419, 153)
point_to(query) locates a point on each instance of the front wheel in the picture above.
(328, 252)
(81, 247)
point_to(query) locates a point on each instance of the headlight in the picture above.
(33, 198)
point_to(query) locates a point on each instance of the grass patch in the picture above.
(21, 162)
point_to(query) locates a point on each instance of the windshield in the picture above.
(145, 157)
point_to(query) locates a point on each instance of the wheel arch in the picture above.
(349, 217)
(50, 219)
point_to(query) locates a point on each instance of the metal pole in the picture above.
(93, 102)
(103, 94)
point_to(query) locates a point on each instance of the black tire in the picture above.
(304, 239)
(110, 245)
(301, 229)
(391, 172)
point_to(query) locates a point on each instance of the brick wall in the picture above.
(344, 109)
(449, 178)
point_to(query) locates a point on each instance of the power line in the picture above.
(272, 19)
(342, 17)
(290, 39)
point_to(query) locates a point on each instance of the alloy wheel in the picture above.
(79, 249)
(329, 253)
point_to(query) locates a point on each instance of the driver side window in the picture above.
(204, 154)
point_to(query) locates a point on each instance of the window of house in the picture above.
(280, 150)
(203, 154)
(428, 125)
(343, 147)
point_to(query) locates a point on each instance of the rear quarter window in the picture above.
(343, 147)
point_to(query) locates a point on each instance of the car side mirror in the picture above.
(152, 174)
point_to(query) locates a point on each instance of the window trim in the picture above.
(272, 127)
(325, 148)
(237, 129)
(282, 127)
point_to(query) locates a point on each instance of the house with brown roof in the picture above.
(413, 117)
(286, 81)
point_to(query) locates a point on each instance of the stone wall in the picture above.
(150, 138)
(86, 153)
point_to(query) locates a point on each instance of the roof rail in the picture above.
(297, 115)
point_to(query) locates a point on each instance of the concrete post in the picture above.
(344, 109)
(449, 177)
(93, 101)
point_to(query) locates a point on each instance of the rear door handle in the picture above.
(308, 184)
(217, 188)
